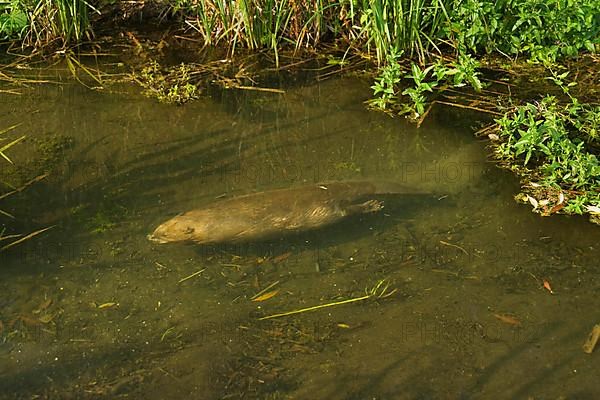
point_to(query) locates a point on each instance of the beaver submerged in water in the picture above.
(275, 212)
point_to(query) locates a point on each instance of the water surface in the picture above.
(91, 309)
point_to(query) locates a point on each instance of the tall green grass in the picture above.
(65, 20)
(536, 28)
(42, 22)
(256, 24)
(397, 26)
(414, 28)
(385, 25)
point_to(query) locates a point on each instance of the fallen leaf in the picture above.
(508, 319)
(43, 306)
(557, 207)
(547, 286)
(281, 257)
(532, 201)
(593, 209)
(25, 320)
(266, 296)
(45, 319)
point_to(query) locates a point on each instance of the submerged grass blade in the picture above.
(379, 291)
(8, 146)
(10, 128)
(7, 214)
(302, 310)
(16, 242)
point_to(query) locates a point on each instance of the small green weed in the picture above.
(438, 75)
(172, 86)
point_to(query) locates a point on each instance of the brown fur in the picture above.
(271, 213)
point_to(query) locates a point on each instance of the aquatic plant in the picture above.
(168, 86)
(540, 29)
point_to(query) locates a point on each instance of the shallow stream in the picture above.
(92, 309)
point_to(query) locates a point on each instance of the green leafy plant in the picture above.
(170, 86)
(13, 20)
(436, 76)
(556, 144)
(42, 22)
(384, 88)
(543, 30)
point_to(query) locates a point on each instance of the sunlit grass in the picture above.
(66, 19)
(40, 23)
(383, 25)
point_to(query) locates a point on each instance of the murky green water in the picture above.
(92, 309)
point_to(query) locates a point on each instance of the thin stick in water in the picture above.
(192, 275)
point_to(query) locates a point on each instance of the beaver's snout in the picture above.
(155, 239)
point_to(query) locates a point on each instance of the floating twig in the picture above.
(8, 146)
(259, 89)
(468, 107)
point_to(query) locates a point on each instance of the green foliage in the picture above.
(383, 25)
(558, 145)
(394, 25)
(41, 22)
(258, 23)
(541, 29)
(171, 86)
(384, 88)
(438, 75)
(417, 92)
(64, 19)
(13, 20)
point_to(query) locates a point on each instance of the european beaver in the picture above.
(274, 212)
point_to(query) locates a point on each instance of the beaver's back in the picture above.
(264, 214)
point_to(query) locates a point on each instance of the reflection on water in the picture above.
(93, 309)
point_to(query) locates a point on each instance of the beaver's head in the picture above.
(177, 229)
